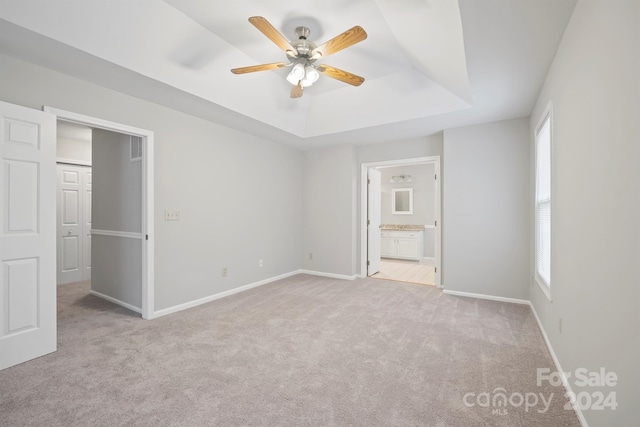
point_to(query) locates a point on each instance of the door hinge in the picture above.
(435, 223)
(368, 222)
(146, 237)
(368, 263)
(435, 176)
(435, 269)
(368, 181)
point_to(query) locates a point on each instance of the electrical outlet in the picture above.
(260, 263)
(224, 272)
(171, 215)
(310, 256)
(560, 324)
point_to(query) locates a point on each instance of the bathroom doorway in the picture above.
(408, 227)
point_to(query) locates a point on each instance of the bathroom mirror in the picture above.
(402, 201)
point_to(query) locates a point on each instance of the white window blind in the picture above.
(543, 202)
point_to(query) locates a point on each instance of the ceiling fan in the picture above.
(303, 54)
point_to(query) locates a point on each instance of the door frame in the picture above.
(147, 195)
(375, 263)
(435, 160)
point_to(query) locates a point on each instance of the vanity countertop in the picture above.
(401, 227)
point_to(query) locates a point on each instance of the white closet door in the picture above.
(74, 223)
(27, 234)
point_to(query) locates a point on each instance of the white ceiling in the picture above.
(429, 65)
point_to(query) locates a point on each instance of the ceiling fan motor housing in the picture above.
(303, 46)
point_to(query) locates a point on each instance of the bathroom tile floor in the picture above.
(407, 271)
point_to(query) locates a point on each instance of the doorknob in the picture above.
(69, 232)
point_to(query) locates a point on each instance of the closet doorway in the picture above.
(105, 211)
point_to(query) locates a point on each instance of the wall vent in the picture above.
(135, 145)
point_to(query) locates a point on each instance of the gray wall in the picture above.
(117, 184)
(72, 149)
(116, 269)
(329, 210)
(486, 209)
(116, 204)
(423, 199)
(73, 142)
(419, 147)
(593, 85)
(239, 196)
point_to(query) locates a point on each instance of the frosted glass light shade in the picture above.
(310, 77)
(296, 74)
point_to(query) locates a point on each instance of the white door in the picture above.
(373, 221)
(28, 234)
(86, 223)
(74, 223)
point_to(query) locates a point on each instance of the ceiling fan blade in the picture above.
(339, 42)
(338, 74)
(269, 30)
(296, 91)
(261, 67)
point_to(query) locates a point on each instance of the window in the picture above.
(543, 202)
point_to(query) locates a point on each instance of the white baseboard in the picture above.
(330, 275)
(194, 303)
(489, 297)
(556, 362)
(116, 301)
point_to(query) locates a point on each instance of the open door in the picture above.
(27, 234)
(373, 221)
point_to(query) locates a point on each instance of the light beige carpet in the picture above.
(304, 351)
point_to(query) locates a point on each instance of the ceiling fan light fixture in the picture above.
(311, 75)
(400, 179)
(297, 73)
